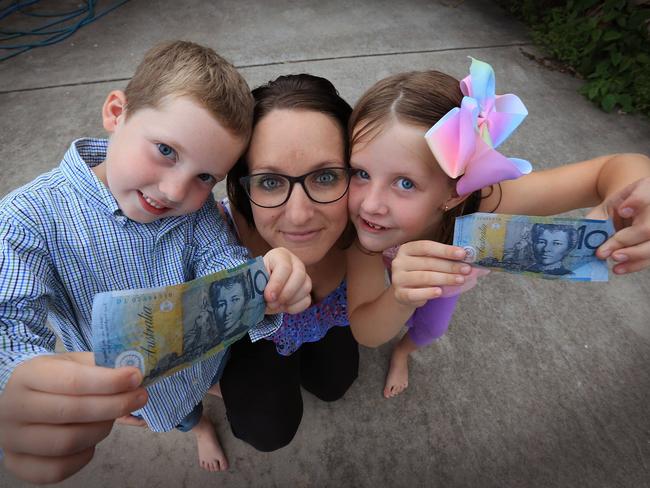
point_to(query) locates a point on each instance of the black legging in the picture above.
(261, 388)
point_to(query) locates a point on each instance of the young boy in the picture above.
(132, 212)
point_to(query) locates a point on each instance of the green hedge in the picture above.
(606, 42)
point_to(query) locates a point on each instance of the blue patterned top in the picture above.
(63, 239)
(312, 324)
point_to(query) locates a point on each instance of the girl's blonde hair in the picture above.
(419, 98)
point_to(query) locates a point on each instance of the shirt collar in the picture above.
(83, 155)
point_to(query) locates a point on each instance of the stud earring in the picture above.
(446, 208)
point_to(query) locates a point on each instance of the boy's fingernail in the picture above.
(141, 398)
(619, 257)
(273, 297)
(135, 380)
(459, 279)
(626, 212)
(465, 268)
(460, 253)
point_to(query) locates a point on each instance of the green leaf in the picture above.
(611, 35)
(609, 102)
(616, 58)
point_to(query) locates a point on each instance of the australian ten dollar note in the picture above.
(163, 330)
(544, 247)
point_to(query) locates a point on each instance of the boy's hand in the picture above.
(289, 284)
(55, 409)
(629, 247)
(421, 268)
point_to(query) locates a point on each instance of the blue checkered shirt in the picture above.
(64, 239)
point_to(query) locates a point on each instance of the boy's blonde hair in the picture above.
(181, 68)
(419, 98)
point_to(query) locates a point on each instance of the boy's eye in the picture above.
(166, 151)
(405, 184)
(207, 178)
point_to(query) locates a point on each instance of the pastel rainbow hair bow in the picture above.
(464, 140)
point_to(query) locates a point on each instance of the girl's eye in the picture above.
(405, 184)
(166, 151)
(362, 174)
(206, 178)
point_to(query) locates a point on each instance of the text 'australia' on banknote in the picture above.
(163, 330)
(545, 247)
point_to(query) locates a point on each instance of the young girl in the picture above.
(412, 180)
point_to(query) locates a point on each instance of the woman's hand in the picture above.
(629, 247)
(422, 268)
(289, 286)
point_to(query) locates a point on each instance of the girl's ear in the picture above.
(114, 107)
(454, 200)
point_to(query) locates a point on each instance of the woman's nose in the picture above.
(299, 208)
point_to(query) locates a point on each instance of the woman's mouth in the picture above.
(151, 205)
(301, 236)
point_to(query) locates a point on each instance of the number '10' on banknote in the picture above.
(544, 247)
(163, 330)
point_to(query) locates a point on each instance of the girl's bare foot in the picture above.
(215, 390)
(397, 379)
(211, 455)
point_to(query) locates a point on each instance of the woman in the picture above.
(290, 190)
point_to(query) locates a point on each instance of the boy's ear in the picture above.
(113, 109)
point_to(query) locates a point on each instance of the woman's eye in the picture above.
(166, 151)
(360, 173)
(206, 178)
(326, 178)
(405, 184)
(270, 183)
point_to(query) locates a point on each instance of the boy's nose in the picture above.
(174, 189)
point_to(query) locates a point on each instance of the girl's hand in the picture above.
(289, 286)
(629, 247)
(421, 268)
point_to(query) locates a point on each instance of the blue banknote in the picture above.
(543, 247)
(163, 330)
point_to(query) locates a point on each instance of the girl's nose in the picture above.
(374, 201)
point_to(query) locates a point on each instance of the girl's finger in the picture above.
(425, 279)
(418, 296)
(432, 249)
(624, 238)
(422, 263)
(55, 440)
(48, 408)
(42, 469)
(631, 266)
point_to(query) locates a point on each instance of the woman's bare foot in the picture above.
(215, 390)
(211, 455)
(397, 379)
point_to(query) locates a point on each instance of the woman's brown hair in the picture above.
(298, 92)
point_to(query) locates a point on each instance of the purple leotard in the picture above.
(430, 321)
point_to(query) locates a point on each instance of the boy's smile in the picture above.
(164, 161)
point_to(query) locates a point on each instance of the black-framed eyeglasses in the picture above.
(324, 185)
